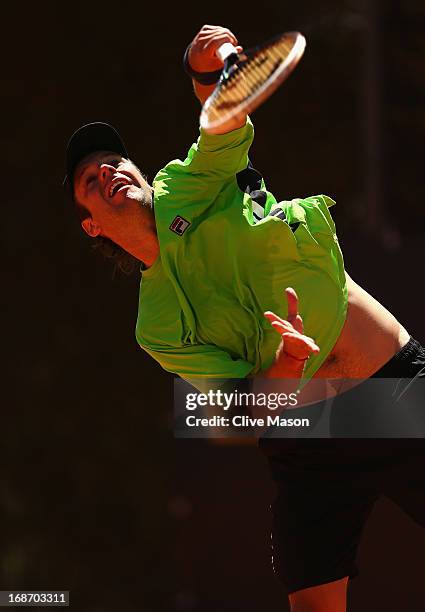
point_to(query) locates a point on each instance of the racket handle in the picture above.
(225, 50)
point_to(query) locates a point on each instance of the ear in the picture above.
(91, 227)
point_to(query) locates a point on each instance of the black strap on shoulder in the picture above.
(249, 179)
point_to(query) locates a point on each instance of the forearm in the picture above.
(203, 92)
(281, 377)
(287, 372)
(203, 64)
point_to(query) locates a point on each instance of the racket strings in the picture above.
(247, 76)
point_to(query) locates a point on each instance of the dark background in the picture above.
(95, 495)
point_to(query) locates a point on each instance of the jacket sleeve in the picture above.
(210, 162)
(221, 156)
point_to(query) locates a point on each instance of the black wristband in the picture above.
(203, 78)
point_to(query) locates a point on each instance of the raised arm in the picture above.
(202, 58)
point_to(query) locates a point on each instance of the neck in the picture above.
(140, 241)
(149, 252)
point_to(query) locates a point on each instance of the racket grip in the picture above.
(225, 50)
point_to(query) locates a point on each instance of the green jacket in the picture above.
(227, 253)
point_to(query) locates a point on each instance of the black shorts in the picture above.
(327, 488)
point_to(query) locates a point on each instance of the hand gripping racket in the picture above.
(248, 79)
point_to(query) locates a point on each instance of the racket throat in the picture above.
(229, 66)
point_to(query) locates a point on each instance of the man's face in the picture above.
(112, 189)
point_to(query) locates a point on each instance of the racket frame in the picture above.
(228, 54)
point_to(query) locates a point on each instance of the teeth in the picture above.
(115, 186)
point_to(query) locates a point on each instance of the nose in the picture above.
(106, 171)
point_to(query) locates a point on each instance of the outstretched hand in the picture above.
(294, 343)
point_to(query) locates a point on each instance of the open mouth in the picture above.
(116, 185)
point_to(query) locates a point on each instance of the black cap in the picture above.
(88, 139)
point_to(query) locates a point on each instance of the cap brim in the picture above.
(89, 139)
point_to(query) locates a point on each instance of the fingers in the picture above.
(293, 314)
(202, 53)
(296, 323)
(214, 42)
(208, 30)
(282, 327)
(294, 343)
(288, 332)
(292, 299)
(212, 37)
(273, 318)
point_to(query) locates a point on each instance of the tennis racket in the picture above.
(248, 79)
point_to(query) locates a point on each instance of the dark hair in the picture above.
(122, 261)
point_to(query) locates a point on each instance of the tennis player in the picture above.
(217, 252)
